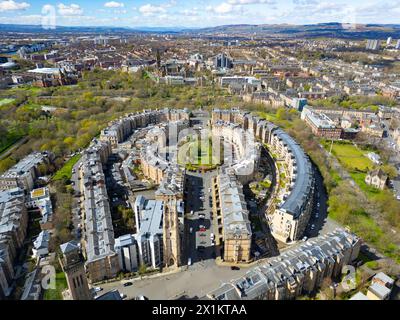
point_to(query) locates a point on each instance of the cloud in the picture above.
(150, 10)
(114, 4)
(223, 8)
(11, 5)
(189, 13)
(22, 19)
(71, 10)
(244, 2)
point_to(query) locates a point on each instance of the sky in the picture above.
(196, 13)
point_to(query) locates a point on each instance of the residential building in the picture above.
(373, 44)
(297, 271)
(24, 173)
(376, 178)
(149, 217)
(321, 125)
(126, 248)
(222, 61)
(40, 199)
(230, 209)
(13, 229)
(41, 245)
(102, 261)
(383, 279)
(376, 291)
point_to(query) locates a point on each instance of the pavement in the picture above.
(195, 282)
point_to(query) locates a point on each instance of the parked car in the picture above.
(235, 268)
(127, 284)
(98, 289)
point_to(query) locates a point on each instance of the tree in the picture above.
(281, 114)
(6, 163)
(390, 170)
(142, 269)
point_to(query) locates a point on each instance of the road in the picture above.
(198, 200)
(76, 208)
(16, 145)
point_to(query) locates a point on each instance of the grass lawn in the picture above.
(268, 116)
(66, 170)
(359, 178)
(366, 228)
(190, 154)
(351, 157)
(30, 90)
(61, 285)
(5, 101)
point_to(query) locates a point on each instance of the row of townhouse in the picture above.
(159, 147)
(101, 259)
(105, 255)
(290, 217)
(232, 217)
(24, 173)
(119, 130)
(297, 271)
(13, 228)
(15, 187)
(246, 150)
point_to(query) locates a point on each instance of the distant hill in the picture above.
(331, 29)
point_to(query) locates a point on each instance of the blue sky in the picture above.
(197, 13)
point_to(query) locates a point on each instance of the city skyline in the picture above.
(196, 13)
